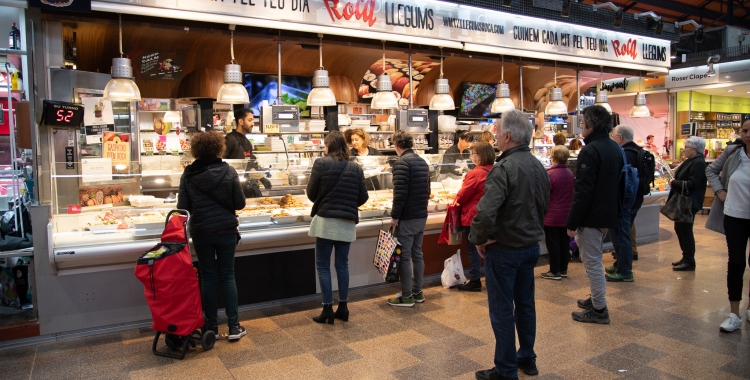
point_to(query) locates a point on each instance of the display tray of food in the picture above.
(255, 216)
(146, 223)
(106, 223)
(145, 201)
(285, 217)
(370, 210)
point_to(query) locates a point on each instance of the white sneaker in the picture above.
(732, 323)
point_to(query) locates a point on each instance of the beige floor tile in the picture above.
(194, 368)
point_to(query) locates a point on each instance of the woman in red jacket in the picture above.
(561, 184)
(483, 156)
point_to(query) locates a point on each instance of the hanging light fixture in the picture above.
(601, 94)
(639, 104)
(321, 94)
(384, 98)
(172, 116)
(121, 87)
(555, 105)
(502, 102)
(232, 91)
(442, 100)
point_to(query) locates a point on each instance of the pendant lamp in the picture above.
(232, 91)
(601, 94)
(172, 116)
(502, 102)
(442, 100)
(321, 94)
(121, 87)
(555, 105)
(384, 98)
(639, 104)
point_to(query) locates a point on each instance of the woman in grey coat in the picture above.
(729, 177)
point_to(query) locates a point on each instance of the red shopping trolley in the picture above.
(172, 290)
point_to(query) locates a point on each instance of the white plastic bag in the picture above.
(453, 272)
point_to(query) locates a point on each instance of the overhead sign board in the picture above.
(424, 20)
(730, 72)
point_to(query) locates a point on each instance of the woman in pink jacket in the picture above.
(561, 183)
(483, 156)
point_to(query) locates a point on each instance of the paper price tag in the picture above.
(271, 128)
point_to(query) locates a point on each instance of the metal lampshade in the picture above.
(601, 100)
(555, 105)
(232, 91)
(121, 87)
(172, 117)
(442, 101)
(321, 94)
(639, 106)
(384, 98)
(502, 102)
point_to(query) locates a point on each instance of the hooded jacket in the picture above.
(337, 188)
(210, 190)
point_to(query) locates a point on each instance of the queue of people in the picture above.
(509, 205)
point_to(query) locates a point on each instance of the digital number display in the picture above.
(417, 118)
(62, 114)
(285, 116)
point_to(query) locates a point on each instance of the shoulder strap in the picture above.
(330, 191)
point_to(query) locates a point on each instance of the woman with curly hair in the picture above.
(210, 190)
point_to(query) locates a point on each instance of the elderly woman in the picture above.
(561, 186)
(559, 138)
(689, 179)
(210, 190)
(729, 177)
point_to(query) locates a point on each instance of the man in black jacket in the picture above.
(622, 240)
(411, 192)
(507, 230)
(595, 206)
(239, 148)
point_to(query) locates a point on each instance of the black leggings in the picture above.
(686, 239)
(737, 231)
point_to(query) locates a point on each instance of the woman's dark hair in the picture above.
(485, 151)
(461, 134)
(241, 114)
(348, 136)
(575, 144)
(403, 140)
(598, 117)
(207, 145)
(337, 145)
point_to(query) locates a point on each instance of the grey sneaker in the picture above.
(590, 315)
(551, 276)
(236, 332)
(401, 301)
(585, 304)
(418, 297)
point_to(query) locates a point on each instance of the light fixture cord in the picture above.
(119, 16)
(383, 54)
(321, 53)
(555, 83)
(441, 63)
(231, 44)
(502, 69)
(601, 77)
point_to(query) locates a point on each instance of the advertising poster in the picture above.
(97, 118)
(157, 65)
(116, 146)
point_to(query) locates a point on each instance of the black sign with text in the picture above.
(63, 5)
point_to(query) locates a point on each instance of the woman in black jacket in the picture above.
(210, 190)
(690, 177)
(458, 151)
(337, 188)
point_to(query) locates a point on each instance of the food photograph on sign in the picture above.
(398, 70)
(100, 195)
(116, 146)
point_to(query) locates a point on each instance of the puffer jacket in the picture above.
(691, 177)
(471, 192)
(336, 188)
(516, 197)
(597, 187)
(411, 187)
(561, 184)
(217, 178)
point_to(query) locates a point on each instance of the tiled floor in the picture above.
(665, 325)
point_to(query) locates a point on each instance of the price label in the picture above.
(271, 128)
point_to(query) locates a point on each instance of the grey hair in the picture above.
(518, 125)
(698, 143)
(625, 131)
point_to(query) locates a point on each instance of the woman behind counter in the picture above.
(337, 188)
(361, 144)
(458, 151)
(210, 190)
(691, 178)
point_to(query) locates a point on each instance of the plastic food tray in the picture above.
(370, 214)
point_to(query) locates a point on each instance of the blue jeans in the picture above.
(474, 259)
(323, 249)
(622, 243)
(216, 255)
(509, 276)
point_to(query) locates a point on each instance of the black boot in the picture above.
(342, 312)
(326, 316)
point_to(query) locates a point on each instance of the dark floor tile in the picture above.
(336, 355)
(293, 320)
(273, 337)
(385, 327)
(638, 353)
(242, 358)
(549, 376)
(443, 370)
(650, 373)
(282, 350)
(351, 333)
(85, 343)
(739, 367)
(484, 303)
(612, 362)
(314, 338)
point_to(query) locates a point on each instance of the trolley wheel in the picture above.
(207, 340)
(174, 342)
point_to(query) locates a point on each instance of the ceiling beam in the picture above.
(688, 10)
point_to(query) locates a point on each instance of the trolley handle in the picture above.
(177, 211)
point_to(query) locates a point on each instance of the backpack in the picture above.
(646, 164)
(628, 184)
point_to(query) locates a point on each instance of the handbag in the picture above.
(451, 233)
(679, 208)
(387, 256)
